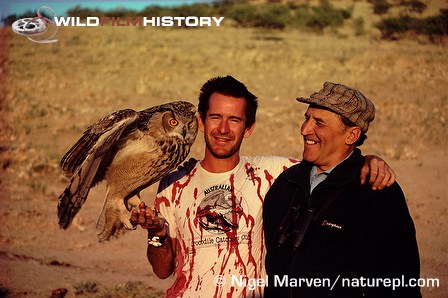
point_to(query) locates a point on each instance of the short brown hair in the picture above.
(228, 86)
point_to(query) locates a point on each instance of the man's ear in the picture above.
(248, 130)
(353, 135)
(200, 123)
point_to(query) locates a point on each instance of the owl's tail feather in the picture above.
(75, 194)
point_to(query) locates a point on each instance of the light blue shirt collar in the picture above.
(316, 178)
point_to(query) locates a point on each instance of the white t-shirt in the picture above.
(217, 220)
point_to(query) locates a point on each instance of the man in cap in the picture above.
(326, 234)
(211, 234)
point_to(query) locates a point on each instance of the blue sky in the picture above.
(8, 7)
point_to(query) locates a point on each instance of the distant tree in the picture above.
(8, 20)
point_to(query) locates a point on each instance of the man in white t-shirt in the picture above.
(207, 228)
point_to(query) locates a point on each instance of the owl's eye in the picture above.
(190, 125)
(174, 122)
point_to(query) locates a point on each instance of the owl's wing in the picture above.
(82, 161)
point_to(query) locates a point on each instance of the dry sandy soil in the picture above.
(51, 92)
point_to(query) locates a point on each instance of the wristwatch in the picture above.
(157, 241)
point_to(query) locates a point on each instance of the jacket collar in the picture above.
(342, 174)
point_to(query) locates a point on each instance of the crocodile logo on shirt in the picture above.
(220, 211)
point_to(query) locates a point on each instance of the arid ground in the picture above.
(50, 93)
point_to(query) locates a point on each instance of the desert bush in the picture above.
(381, 7)
(120, 12)
(325, 15)
(88, 287)
(244, 15)
(301, 16)
(198, 9)
(83, 13)
(135, 289)
(393, 26)
(434, 26)
(274, 16)
(414, 5)
(154, 11)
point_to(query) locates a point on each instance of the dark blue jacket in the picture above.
(354, 233)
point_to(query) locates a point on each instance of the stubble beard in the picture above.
(232, 151)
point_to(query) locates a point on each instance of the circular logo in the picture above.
(31, 27)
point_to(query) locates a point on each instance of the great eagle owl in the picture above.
(129, 150)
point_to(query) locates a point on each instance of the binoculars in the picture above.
(293, 227)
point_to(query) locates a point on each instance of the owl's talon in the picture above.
(134, 225)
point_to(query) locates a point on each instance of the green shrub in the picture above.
(414, 5)
(273, 16)
(83, 13)
(325, 15)
(391, 27)
(119, 13)
(381, 7)
(433, 26)
(155, 11)
(198, 9)
(245, 15)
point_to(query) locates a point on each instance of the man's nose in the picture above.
(223, 127)
(306, 128)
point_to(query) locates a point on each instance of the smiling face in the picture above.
(224, 126)
(327, 141)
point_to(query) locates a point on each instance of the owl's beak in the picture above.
(184, 131)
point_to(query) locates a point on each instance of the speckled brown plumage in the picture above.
(129, 150)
